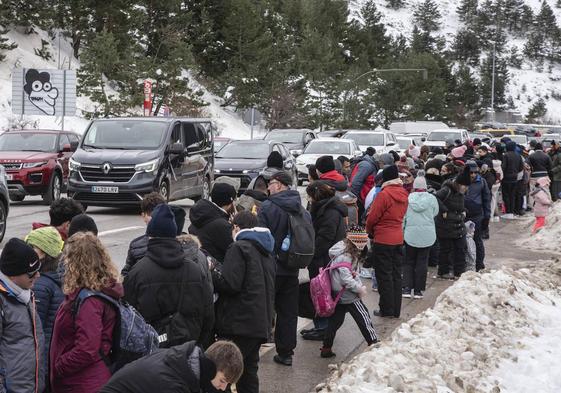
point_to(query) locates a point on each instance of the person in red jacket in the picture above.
(385, 226)
(81, 340)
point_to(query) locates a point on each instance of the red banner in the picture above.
(147, 98)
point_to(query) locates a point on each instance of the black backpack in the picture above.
(302, 241)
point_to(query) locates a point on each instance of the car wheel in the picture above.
(17, 198)
(54, 191)
(300, 182)
(205, 193)
(3, 220)
(164, 190)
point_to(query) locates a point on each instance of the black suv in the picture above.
(4, 202)
(119, 160)
(293, 139)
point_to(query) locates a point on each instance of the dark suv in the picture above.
(119, 160)
(36, 162)
(4, 202)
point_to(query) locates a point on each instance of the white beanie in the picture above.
(420, 182)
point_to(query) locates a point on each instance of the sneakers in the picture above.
(406, 292)
(316, 335)
(284, 360)
(508, 216)
(418, 294)
(495, 219)
(447, 276)
(365, 273)
(327, 353)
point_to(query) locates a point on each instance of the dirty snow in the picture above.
(496, 331)
(548, 239)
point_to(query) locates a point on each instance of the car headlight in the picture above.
(74, 165)
(34, 164)
(217, 171)
(149, 166)
(246, 171)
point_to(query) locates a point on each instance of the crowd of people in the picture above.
(231, 282)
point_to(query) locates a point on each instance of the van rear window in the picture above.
(125, 134)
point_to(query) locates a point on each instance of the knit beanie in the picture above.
(325, 164)
(162, 223)
(275, 160)
(223, 194)
(420, 182)
(390, 173)
(179, 214)
(82, 223)
(18, 258)
(464, 178)
(283, 178)
(459, 151)
(46, 239)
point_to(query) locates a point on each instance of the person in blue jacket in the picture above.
(419, 235)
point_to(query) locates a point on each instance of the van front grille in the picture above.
(118, 174)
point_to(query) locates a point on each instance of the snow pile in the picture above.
(548, 239)
(479, 331)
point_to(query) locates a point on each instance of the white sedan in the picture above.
(333, 147)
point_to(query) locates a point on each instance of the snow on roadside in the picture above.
(548, 238)
(480, 329)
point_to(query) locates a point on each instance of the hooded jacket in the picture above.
(170, 370)
(478, 199)
(542, 198)
(362, 177)
(163, 279)
(49, 296)
(385, 219)
(246, 284)
(556, 166)
(451, 202)
(540, 163)
(78, 340)
(210, 224)
(274, 215)
(419, 226)
(137, 250)
(512, 164)
(335, 180)
(22, 369)
(343, 277)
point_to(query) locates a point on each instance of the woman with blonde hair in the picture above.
(83, 336)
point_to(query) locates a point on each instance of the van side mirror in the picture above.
(176, 148)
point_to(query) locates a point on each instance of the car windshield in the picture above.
(125, 134)
(27, 141)
(443, 136)
(517, 138)
(244, 150)
(284, 137)
(403, 143)
(218, 145)
(328, 147)
(366, 139)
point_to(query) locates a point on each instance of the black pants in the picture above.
(387, 267)
(479, 244)
(286, 307)
(433, 255)
(415, 267)
(519, 198)
(249, 347)
(360, 314)
(509, 196)
(452, 254)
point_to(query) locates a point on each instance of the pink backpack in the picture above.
(320, 290)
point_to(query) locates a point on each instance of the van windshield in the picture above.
(444, 136)
(125, 134)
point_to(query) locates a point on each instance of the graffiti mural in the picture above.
(40, 91)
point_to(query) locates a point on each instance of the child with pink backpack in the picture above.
(347, 290)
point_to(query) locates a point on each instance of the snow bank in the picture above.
(481, 329)
(548, 239)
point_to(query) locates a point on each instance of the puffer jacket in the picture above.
(137, 250)
(540, 163)
(512, 164)
(362, 177)
(418, 225)
(542, 198)
(343, 277)
(49, 296)
(211, 225)
(21, 341)
(478, 199)
(385, 219)
(451, 202)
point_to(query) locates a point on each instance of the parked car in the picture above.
(331, 134)
(4, 202)
(334, 147)
(293, 139)
(438, 138)
(404, 141)
(382, 141)
(36, 162)
(119, 160)
(244, 159)
(484, 137)
(219, 142)
(526, 130)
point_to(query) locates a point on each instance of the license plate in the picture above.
(9, 177)
(103, 189)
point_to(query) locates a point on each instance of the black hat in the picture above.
(275, 160)
(223, 194)
(283, 178)
(18, 258)
(82, 223)
(510, 146)
(162, 223)
(179, 214)
(464, 177)
(325, 164)
(370, 151)
(390, 173)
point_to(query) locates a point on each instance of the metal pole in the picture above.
(63, 98)
(58, 50)
(493, 86)
(252, 120)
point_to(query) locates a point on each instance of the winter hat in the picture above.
(472, 165)
(223, 194)
(283, 178)
(433, 171)
(441, 157)
(510, 146)
(325, 164)
(464, 178)
(275, 160)
(420, 182)
(18, 258)
(82, 223)
(390, 173)
(476, 142)
(179, 214)
(415, 151)
(459, 152)
(370, 151)
(162, 223)
(46, 239)
(235, 182)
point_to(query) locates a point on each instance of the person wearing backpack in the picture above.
(82, 341)
(362, 178)
(328, 217)
(275, 214)
(346, 282)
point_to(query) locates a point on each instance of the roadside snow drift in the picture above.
(490, 332)
(549, 238)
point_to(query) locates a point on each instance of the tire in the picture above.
(3, 219)
(55, 189)
(300, 182)
(205, 194)
(17, 198)
(164, 190)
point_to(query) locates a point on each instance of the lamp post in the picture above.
(493, 85)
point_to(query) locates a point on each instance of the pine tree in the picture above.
(515, 58)
(5, 45)
(427, 16)
(373, 34)
(558, 4)
(537, 111)
(467, 11)
(467, 47)
(501, 80)
(396, 4)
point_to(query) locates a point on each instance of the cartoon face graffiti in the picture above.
(40, 91)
